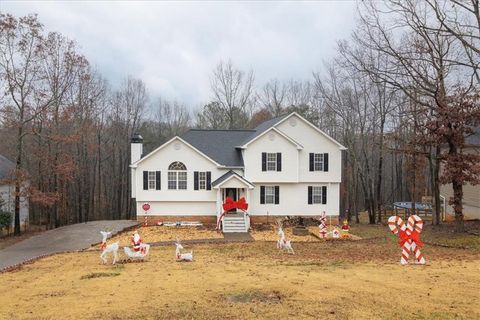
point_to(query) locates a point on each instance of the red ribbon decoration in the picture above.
(414, 236)
(231, 204)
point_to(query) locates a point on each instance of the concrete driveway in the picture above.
(69, 238)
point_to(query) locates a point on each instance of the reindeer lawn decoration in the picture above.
(179, 256)
(283, 243)
(111, 248)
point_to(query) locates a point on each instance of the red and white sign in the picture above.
(146, 206)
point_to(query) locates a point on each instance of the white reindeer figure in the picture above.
(179, 256)
(111, 248)
(283, 243)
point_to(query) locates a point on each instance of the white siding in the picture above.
(7, 194)
(313, 141)
(294, 201)
(168, 208)
(253, 159)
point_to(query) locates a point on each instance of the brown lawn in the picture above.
(330, 280)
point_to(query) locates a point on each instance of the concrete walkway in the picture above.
(69, 238)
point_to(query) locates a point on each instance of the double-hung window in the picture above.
(202, 180)
(316, 195)
(177, 176)
(318, 162)
(271, 162)
(151, 180)
(269, 194)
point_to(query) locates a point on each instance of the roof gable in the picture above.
(166, 144)
(283, 135)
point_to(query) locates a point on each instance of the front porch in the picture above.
(232, 185)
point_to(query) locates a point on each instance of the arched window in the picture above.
(177, 176)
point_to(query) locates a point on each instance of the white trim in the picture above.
(298, 145)
(250, 186)
(135, 164)
(313, 126)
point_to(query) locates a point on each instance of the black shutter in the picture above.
(311, 161)
(279, 161)
(277, 194)
(145, 180)
(209, 180)
(310, 191)
(264, 161)
(262, 195)
(195, 180)
(324, 195)
(158, 180)
(325, 162)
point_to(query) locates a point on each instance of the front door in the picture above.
(232, 193)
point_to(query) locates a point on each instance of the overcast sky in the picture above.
(173, 46)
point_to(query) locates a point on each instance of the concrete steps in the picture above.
(234, 223)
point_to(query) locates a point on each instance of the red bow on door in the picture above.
(231, 204)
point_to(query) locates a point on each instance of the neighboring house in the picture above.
(284, 167)
(7, 190)
(471, 194)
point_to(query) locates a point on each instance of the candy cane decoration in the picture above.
(409, 237)
(323, 225)
(414, 228)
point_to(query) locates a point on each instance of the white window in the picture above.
(316, 195)
(270, 195)
(182, 180)
(271, 162)
(318, 162)
(151, 180)
(177, 176)
(202, 180)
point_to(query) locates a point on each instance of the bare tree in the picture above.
(233, 92)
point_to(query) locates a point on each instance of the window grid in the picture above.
(318, 161)
(270, 195)
(151, 180)
(202, 180)
(182, 180)
(172, 180)
(271, 162)
(316, 195)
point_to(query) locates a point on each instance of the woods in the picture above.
(401, 93)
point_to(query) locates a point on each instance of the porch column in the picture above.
(219, 203)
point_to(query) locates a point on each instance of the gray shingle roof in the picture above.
(219, 144)
(228, 175)
(6, 167)
(264, 126)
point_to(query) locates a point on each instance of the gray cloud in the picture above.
(173, 46)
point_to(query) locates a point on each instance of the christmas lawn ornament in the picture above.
(409, 237)
(345, 229)
(323, 225)
(137, 243)
(335, 233)
(231, 204)
(137, 255)
(283, 243)
(179, 256)
(111, 248)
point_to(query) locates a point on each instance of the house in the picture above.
(471, 194)
(284, 167)
(7, 191)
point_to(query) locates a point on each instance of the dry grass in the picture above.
(331, 280)
(162, 233)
